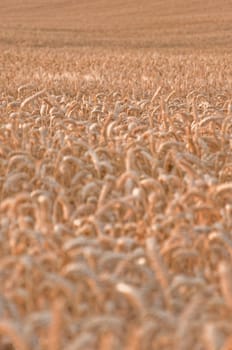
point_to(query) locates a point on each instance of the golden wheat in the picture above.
(115, 188)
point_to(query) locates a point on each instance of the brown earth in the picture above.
(166, 24)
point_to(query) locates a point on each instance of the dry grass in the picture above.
(116, 200)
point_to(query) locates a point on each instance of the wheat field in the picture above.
(115, 189)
